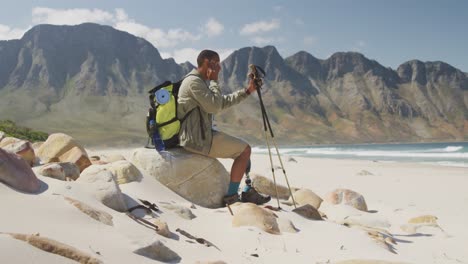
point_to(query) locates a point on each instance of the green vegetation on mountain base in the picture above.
(12, 130)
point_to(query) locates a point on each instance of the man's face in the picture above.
(214, 65)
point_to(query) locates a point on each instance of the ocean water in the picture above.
(446, 154)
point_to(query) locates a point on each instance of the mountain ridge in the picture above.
(89, 79)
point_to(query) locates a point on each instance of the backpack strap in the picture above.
(202, 129)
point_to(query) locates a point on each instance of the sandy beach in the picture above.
(394, 192)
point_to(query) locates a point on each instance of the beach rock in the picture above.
(98, 162)
(97, 215)
(71, 170)
(156, 250)
(63, 148)
(2, 135)
(292, 159)
(308, 211)
(248, 214)
(365, 173)
(94, 158)
(37, 145)
(181, 211)
(348, 197)
(163, 228)
(197, 178)
(53, 170)
(286, 225)
(103, 185)
(266, 186)
(306, 196)
(15, 172)
(124, 171)
(55, 247)
(60, 170)
(112, 158)
(429, 220)
(347, 215)
(20, 147)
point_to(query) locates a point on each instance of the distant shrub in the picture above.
(12, 130)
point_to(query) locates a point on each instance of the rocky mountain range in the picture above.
(90, 81)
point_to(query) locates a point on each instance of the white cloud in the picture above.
(310, 40)
(120, 14)
(73, 16)
(118, 19)
(158, 37)
(7, 33)
(162, 39)
(361, 43)
(213, 27)
(259, 27)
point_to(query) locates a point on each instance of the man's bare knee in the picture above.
(247, 151)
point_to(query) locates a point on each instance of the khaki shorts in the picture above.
(225, 146)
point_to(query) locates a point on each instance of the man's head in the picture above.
(209, 64)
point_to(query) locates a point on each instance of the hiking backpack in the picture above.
(162, 115)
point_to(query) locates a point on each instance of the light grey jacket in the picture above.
(194, 94)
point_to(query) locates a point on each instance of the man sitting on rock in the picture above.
(197, 103)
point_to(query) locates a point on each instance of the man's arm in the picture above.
(211, 99)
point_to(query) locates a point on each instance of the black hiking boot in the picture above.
(252, 196)
(231, 199)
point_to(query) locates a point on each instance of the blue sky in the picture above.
(390, 32)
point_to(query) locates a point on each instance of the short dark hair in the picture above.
(206, 54)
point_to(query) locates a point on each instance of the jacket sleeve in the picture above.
(211, 100)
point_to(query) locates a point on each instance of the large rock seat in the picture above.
(201, 180)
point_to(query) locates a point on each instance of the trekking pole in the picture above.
(267, 126)
(265, 132)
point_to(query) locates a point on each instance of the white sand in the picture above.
(397, 191)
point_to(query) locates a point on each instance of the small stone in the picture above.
(308, 211)
(98, 215)
(71, 170)
(248, 214)
(124, 171)
(306, 196)
(53, 170)
(156, 250)
(181, 211)
(163, 228)
(347, 197)
(365, 173)
(286, 225)
(113, 158)
(55, 247)
(105, 188)
(424, 219)
(266, 186)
